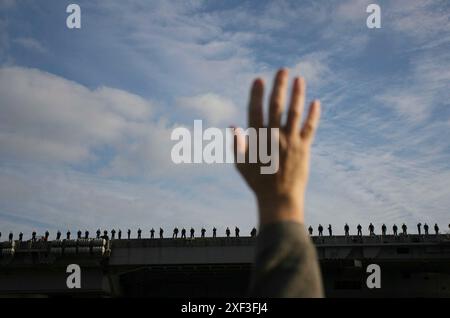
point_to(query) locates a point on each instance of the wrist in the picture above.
(273, 210)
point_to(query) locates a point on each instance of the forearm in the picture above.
(286, 263)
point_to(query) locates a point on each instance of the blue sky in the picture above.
(86, 114)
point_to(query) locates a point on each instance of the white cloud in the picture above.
(31, 44)
(147, 154)
(426, 89)
(212, 107)
(413, 107)
(314, 68)
(49, 118)
(419, 20)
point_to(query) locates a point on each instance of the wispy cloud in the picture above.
(420, 21)
(31, 44)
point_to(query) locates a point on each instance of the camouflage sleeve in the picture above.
(286, 263)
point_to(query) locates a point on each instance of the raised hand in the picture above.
(281, 195)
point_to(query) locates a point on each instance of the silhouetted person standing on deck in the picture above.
(419, 228)
(98, 233)
(113, 234)
(395, 229)
(192, 232)
(161, 233)
(227, 232)
(383, 229)
(139, 232)
(129, 233)
(346, 229)
(236, 231)
(214, 232)
(371, 229)
(330, 230)
(175, 233)
(203, 231)
(404, 229)
(436, 228)
(359, 229)
(310, 230)
(253, 232)
(79, 233)
(11, 236)
(58, 235)
(119, 234)
(183, 233)
(86, 234)
(320, 228)
(152, 233)
(20, 237)
(425, 228)
(47, 234)
(68, 235)
(33, 236)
